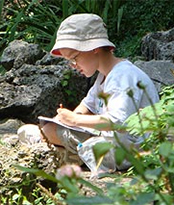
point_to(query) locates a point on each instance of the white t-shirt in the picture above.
(120, 106)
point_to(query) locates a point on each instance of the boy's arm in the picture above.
(81, 109)
(83, 120)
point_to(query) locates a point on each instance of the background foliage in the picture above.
(128, 21)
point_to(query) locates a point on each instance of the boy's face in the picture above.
(85, 62)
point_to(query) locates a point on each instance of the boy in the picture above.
(82, 39)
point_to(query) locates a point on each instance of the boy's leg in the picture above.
(31, 134)
(50, 131)
(55, 134)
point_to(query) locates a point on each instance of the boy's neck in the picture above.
(107, 62)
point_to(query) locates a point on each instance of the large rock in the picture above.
(9, 126)
(35, 84)
(33, 90)
(159, 71)
(29, 90)
(158, 46)
(20, 52)
(37, 156)
(42, 155)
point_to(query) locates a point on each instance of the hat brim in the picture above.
(80, 45)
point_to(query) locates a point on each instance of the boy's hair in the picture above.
(107, 48)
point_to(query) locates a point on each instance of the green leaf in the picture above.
(13, 29)
(136, 163)
(89, 201)
(69, 185)
(143, 199)
(153, 173)
(65, 8)
(1, 8)
(119, 155)
(146, 120)
(120, 14)
(64, 83)
(100, 149)
(165, 149)
(37, 172)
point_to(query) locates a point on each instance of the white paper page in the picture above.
(80, 129)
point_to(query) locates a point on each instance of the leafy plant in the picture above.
(37, 21)
(154, 167)
(1, 6)
(70, 90)
(68, 179)
(158, 121)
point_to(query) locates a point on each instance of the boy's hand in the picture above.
(66, 116)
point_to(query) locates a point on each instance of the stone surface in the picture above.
(40, 156)
(158, 46)
(36, 83)
(32, 90)
(9, 126)
(37, 156)
(159, 71)
(19, 52)
(37, 88)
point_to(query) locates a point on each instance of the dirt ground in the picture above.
(40, 155)
(102, 182)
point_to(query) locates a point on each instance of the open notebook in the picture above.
(44, 120)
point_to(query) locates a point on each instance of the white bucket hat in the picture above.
(82, 32)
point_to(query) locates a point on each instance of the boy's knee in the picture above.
(50, 133)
